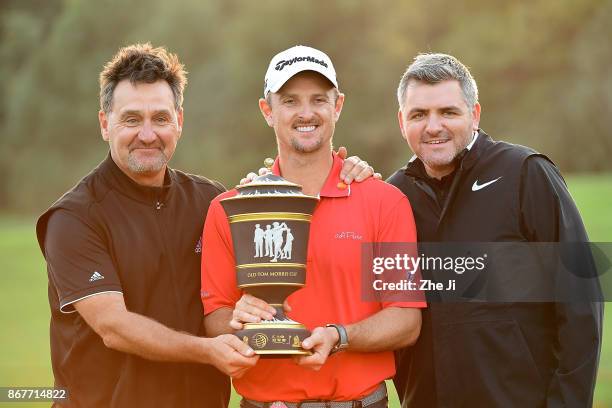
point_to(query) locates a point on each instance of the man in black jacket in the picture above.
(465, 187)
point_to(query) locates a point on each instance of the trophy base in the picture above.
(275, 339)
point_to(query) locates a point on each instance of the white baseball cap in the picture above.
(286, 64)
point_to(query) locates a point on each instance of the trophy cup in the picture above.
(270, 223)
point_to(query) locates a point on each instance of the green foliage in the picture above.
(544, 70)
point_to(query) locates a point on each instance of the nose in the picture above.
(433, 125)
(147, 134)
(306, 111)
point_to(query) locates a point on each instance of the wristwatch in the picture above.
(342, 338)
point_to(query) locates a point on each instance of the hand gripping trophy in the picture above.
(270, 222)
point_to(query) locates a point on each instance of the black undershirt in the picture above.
(440, 187)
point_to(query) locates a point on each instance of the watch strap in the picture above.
(342, 337)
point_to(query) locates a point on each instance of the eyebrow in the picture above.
(416, 110)
(292, 95)
(450, 107)
(443, 108)
(132, 112)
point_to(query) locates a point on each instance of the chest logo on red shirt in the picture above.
(275, 241)
(348, 235)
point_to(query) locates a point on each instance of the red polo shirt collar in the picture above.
(333, 187)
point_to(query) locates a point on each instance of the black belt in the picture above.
(378, 395)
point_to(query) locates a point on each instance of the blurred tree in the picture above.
(543, 67)
(23, 24)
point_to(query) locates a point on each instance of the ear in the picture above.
(339, 105)
(103, 119)
(400, 119)
(476, 116)
(179, 120)
(266, 111)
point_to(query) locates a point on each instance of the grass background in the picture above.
(24, 315)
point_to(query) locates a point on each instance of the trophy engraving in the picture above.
(275, 242)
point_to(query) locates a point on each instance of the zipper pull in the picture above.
(159, 205)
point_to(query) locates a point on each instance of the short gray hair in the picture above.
(435, 68)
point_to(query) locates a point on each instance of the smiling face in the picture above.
(303, 113)
(142, 129)
(437, 124)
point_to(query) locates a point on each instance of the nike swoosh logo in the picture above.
(476, 186)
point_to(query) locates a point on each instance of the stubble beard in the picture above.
(440, 160)
(151, 165)
(436, 160)
(301, 148)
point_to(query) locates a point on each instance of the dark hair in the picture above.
(141, 63)
(434, 68)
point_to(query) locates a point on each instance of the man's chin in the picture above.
(307, 148)
(439, 161)
(147, 166)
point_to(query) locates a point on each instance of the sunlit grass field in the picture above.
(24, 315)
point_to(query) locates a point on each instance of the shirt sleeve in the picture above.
(549, 214)
(397, 225)
(78, 261)
(218, 263)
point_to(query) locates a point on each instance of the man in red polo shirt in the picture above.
(302, 103)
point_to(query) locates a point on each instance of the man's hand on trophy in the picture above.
(353, 169)
(320, 343)
(250, 309)
(250, 176)
(286, 307)
(230, 355)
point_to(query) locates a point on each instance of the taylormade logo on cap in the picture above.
(282, 64)
(296, 59)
